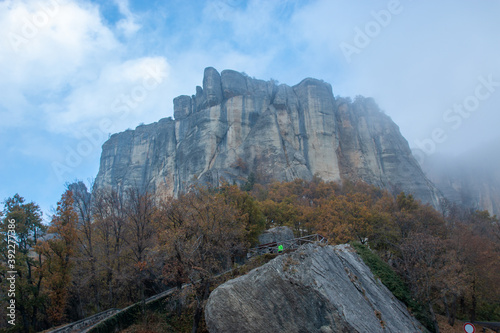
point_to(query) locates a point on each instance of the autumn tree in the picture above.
(140, 213)
(202, 233)
(27, 218)
(86, 279)
(109, 218)
(342, 219)
(422, 260)
(248, 210)
(385, 235)
(477, 251)
(285, 204)
(58, 256)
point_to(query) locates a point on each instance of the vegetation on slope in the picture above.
(109, 250)
(394, 283)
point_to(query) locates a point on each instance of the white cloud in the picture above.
(127, 25)
(51, 46)
(426, 59)
(64, 68)
(123, 93)
(257, 19)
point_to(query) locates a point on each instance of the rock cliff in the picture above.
(235, 126)
(314, 289)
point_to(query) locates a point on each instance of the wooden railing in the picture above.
(290, 244)
(80, 325)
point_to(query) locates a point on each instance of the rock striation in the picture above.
(314, 289)
(235, 126)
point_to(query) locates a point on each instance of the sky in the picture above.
(72, 72)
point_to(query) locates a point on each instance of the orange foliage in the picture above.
(58, 254)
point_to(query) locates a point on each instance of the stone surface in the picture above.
(212, 88)
(277, 234)
(233, 83)
(314, 289)
(236, 125)
(183, 107)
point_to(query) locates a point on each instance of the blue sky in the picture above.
(74, 71)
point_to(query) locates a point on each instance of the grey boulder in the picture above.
(314, 289)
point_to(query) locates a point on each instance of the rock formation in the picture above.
(235, 126)
(314, 289)
(277, 234)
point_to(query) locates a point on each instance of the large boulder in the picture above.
(277, 234)
(314, 289)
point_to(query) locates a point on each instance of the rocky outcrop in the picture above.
(276, 235)
(314, 289)
(235, 126)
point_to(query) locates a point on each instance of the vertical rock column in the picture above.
(317, 115)
(212, 88)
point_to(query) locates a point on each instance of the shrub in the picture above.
(394, 283)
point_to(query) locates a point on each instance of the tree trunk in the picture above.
(143, 298)
(179, 299)
(80, 311)
(453, 311)
(450, 309)
(24, 319)
(197, 316)
(109, 282)
(474, 302)
(433, 317)
(94, 284)
(34, 319)
(205, 292)
(447, 308)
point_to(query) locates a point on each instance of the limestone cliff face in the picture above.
(236, 125)
(314, 289)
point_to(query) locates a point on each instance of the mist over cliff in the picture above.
(236, 126)
(471, 179)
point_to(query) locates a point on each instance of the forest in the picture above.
(104, 249)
